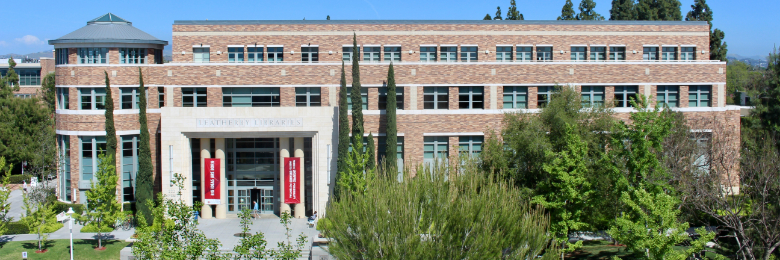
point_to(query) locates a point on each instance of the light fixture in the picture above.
(487, 51)
(182, 52)
(702, 51)
(634, 51)
(292, 52)
(330, 52)
(219, 52)
(562, 51)
(411, 51)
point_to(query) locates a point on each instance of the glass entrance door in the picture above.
(264, 196)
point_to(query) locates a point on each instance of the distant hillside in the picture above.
(753, 61)
(36, 55)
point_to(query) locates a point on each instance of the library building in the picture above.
(247, 110)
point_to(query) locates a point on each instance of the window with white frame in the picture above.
(448, 54)
(699, 96)
(63, 142)
(275, 54)
(27, 77)
(399, 150)
(23, 96)
(592, 96)
(194, 97)
(346, 53)
(668, 95)
(61, 56)
(399, 98)
(129, 166)
(544, 53)
(250, 97)
(525, 53)
(515, 97)
(598, 53)
(650, 53)
(543, 96)
(63, 98)
(669, 53)
(93, 55)
(307, 97)
(578, 53)
(132, 55)
(504, 53)
(255, 54)
(235, 54)
(702, 152)
(624, 95)
(435, 149)
(392, 53)
(161, 97)
(617, 53)
(130, 98)
(470, 146)
(91, 148)
(687, 53)
(436, 97)
(371, 54)
(92, 98)
(468, 53)
(363, 98)
(471, 97)
(428, 54)
(310, 54)
(201, 55)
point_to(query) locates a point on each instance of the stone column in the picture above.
(300, 208)
(284, 152)
(205, 152)
(221, 209)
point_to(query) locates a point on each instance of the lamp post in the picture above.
(70, 224)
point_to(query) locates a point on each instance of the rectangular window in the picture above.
(63, 98)
(346, 53)
(61, 56)
(399, 98)
(470, 146)
(544, 53)
(200, 55)
(310, 54)
(129, 166)
(504, 53)
(23, 96)
(436, 97)
(543, 96)
(592, 96)
(470, 98)
(91, 147)
(668, 95)
(435, 148)
(93, 55)
(669, 53)
(688, 53)
(129, 97)
(132, 55)
(158, 56)
(515, 97)
(468, 54)
(392, 54)
(161, 96)
(235, 54)
(524, 53)
(275, 54)
(624, 95)
(428, 54)
(399, 148)
(598, 53)
(699, 96)
(63, 141)
(250, 97)
(307, 97)
(702, 152)
(29, 77)
(617, 53)
(92, 98)
(578, 53)
(371, 54)
(448, 54)
(650, 53)
(194, 97)
(363, 98)
(255, 54)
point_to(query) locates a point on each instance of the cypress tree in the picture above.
(702, 12)
(110, 130)
(392, 128)
(371, 151)
(487, 17)
(567, 12)
(498, 14)
(513, 14)
(588, 12)
(343, 149)
(622, 10)
(144, 182)
(357, 101)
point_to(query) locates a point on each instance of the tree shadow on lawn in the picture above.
(34, 245)
(94, 243)
(4, 240)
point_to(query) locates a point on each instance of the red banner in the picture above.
(292, 184)
(212, 181)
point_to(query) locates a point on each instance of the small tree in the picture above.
(39, 214)
(512, 13)
(101, 198)
(287, 250)
(487, 17)
(371, 151)
(498, 14)
(588, 12)
(355, 174)
(144, 179)
(5, 193)
(250, 246)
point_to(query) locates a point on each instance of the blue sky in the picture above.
(751, 26)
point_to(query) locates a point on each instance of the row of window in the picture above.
(100, 55)
(447, 54)
(95, 98)
(27, 77)
(91, 147)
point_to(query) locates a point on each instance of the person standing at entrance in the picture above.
(255, 210)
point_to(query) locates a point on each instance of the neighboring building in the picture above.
(253, 92)
(31, 73)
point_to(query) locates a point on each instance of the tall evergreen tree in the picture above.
(659, 10)
(588, 12)
(487, 17)
(622, 10)
(702, 12)
(109, 125)
(567, 13)
(513, 14)
(391, 158)
(343, 150)
(48, 91)
(144, 179)
(357, 101)
(327, 18)
(498, 14)
(11, 78)
(371, 151)
(718, 48)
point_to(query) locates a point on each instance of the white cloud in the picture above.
(30, 40)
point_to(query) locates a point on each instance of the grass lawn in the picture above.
(60, 249)
(605, 250)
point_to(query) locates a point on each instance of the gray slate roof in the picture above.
(108, 28)
(518, 22)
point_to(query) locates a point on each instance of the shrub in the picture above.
(128, 207)
(92, 228)
(323, 224)
(20, 178)
(60, 206)
(17, 228)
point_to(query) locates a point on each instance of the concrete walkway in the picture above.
(225, 230)
(64, 233)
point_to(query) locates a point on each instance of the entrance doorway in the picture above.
(265, 197)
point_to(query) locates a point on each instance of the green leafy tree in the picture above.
(286, 249)
(355, 176)
(659, 10)
(11, 79)
(391, 144)
(567, 13)
(622, 10)
(588, 12)
(251, 246)
(498, 14)
(357, 101)
(39, 215)
(487, 17)
(48, 91)
(5, 194)
(371, 151)
(343, 148)
(101, 198)
(700, 11)
(111, 143)
(718, 48)
(512, 13)
(144, 178)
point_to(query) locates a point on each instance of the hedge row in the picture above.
(60, 206)
(20, 178)
(17, 228)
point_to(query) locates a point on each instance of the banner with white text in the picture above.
(212, 182)
(292, 184)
